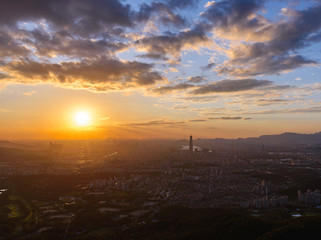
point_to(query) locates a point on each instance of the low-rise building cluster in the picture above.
(265, 202)
(310, 196)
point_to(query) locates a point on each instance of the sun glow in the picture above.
(82, 119)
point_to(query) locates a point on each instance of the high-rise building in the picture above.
(191, 143)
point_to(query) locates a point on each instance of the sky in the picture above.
(159, 68)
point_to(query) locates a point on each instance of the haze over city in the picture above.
(159, 69)
(160, 119)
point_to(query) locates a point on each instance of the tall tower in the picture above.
(191, 143)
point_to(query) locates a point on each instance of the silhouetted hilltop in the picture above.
(8, 144)
(286, 139)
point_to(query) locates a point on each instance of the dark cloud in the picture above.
(171, 88)
(105, 73)
(82, 28)
(62, 43)
(91, 32)
(201, 99)
(170, 123)
(218, 118)
(81, 16)
(10, 47)
(159, 13)
(208, 66)
(278, 53)
(300, 31)
(199, 120)
(234, 13)
(267, 102)
(181, 3)
(231, 86)
(173, 44)
(155, 56)
(265, 65)
(315, 109)
(229, 118)
(223, 86)
(157, 123)
(279, 87)
(196, 79)
(164, 12)
(179, 107)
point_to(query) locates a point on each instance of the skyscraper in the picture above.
(191, 143)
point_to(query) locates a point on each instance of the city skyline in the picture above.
(159, 69)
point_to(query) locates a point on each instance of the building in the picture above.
(310, 196)
(191, 143)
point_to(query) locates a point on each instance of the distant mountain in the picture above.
(18, 145)
(7, 144)
(282, 140)
(286, 139)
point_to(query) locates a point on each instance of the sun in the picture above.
(82, 119)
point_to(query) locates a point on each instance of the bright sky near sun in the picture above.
(159, 69)
(82, 119)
